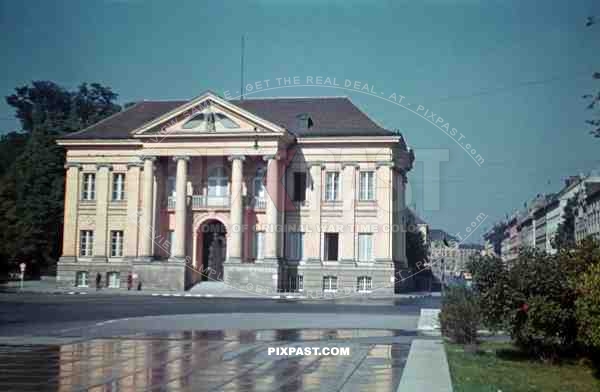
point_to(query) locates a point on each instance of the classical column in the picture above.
(383, 237)
(348, 237)
(273, 185)
(147, 209)
(180, 207)
(401, 207)
(234, 240)
(312, 238)
(69, 247)
(102, 192)
(133, 211)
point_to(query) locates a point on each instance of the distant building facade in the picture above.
(587, 214)
(536, 226)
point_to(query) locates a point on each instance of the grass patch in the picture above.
(501, 367)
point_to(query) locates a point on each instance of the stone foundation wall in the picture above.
(346, 279)
(255, 278)
(66, 272)
(159, 275)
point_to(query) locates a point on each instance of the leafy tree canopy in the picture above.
(45, 102)
(32, 168)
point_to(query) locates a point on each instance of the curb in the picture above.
(192, 295)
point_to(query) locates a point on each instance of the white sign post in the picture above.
(22, 266)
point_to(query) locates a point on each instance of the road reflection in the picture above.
(209, 361)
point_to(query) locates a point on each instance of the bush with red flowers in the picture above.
(548, 303)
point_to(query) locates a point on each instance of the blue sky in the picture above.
(507, 75)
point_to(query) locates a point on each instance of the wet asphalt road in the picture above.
(179, 358)
(39, 314)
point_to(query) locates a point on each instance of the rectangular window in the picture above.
(365, 247)
(86, 243)
(296, 283)
(170, 184)
(300, 186)
(332, 186)
(295, 245)
(116, 243)
(258, 245)
(81, 279)
(367, 185)
(113, 279)
(331, 246)
(88, 191)
(118, 187)
(364, 284)
(330, 283)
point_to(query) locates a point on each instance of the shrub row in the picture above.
(550, 304)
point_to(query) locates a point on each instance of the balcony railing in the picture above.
(202, 201)
(255, 202)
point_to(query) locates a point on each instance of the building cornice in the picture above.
(99, 142)
(348, 139)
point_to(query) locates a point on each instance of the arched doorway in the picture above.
(213, 242)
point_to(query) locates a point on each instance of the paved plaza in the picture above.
(209, 361)
(145, 343)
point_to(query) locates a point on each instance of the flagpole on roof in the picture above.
(242, 71)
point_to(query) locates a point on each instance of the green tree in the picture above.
(11, 146)
(39, 200)
(416, 249)
(588, 307)
(47, 103)
(491, 281)
(31, 190)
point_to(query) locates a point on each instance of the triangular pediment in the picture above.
(205, 115)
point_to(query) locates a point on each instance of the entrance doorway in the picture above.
(214, 246)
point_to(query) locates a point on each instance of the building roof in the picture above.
(331, 116)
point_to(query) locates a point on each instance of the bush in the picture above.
(588, 308)
(491, 283)
(543, 320)
(460, 315)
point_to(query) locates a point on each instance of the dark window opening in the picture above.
(331, 246)
(299, 186)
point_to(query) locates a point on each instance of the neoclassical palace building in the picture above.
(267, 195)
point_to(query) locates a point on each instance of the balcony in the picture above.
(258, 203)
(202, 202)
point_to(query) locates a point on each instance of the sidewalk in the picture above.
(205, 290)
(426, 368)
